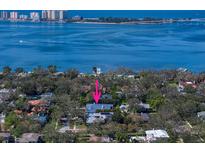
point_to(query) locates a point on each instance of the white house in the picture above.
(152, 135)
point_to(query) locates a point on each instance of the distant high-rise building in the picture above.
(34, 16)
(49, 14)
(61, 15)
(13, 15)
(54, 15)
(44, 14)
(4, 15)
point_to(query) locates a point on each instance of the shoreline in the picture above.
(46, 69)
(135, 22)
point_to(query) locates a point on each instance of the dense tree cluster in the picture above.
(171, 109)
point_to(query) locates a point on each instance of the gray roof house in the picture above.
(201, 115)
(95, 118)
(105, 113)
(30, 138)
(6, 138)
(152, 135)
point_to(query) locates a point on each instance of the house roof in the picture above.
(146, 106)
(92, 108)
(98, 117)
(201, 114)
(95, 118)
(29, 137)
(5, 135)
(37, 102)
(156, 134)
(7, 90)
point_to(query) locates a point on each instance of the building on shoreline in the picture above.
(34, 16)
(61, 15)
(13, 15)
(4, 15)
(52, 15)
(44, 15)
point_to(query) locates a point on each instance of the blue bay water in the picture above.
(82, 46)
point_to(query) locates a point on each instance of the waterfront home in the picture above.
(153, 135)
(30, 138)
(182, 69)
(183, 84)
(97, 71)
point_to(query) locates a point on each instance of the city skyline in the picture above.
(33, 15)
